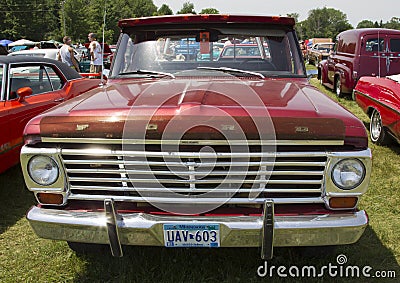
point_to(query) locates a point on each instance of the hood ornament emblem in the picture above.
(301, 129)
(82, 127)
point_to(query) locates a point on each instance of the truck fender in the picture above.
(344, 73)
(323, 71)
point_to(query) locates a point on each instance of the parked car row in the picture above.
(319, 52)
(81, 54)
(358, 53)
(366, 64)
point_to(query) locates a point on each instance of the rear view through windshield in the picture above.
(267, 52)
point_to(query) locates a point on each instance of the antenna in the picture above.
(102, 50)
(379, 55)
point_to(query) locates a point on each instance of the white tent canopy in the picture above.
(22, 42)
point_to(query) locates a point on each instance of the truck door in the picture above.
(372, 56)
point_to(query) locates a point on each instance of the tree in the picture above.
(325, 22)
(117, 10)
(164, 10)
(28, 19)
(365, 24)
(187, 8)
(209, 11)
(394, 23)
(78, 32)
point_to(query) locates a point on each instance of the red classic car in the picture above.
(380, 99)
(206, 154)
(28, 86)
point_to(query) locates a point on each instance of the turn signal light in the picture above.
(343, 202)
(50, 198)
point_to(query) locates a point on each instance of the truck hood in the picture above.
(203, 109)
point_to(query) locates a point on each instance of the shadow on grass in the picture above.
(15, 199)
(154, 264)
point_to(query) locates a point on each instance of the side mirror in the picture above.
(24, 92)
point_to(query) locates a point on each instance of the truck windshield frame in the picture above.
(271, 52)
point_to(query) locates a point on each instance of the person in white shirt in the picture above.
(66, 54)
(96, 62)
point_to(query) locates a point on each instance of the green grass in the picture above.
(26, 258)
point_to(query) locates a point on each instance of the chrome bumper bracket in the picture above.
(112, 228)
(267, 243)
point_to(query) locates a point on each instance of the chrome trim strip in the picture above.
(191, 142)
(174, 154)
(378, 101)
(189, 181)
(195, 173)
(188, 190)
(203, 164)
(199, 200)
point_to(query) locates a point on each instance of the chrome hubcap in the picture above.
(376, 126)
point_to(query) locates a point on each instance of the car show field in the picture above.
(54, 261)
(216, 147)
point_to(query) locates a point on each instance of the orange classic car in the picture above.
(29, 86)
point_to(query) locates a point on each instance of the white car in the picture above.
(44, 53)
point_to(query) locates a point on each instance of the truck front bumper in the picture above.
(265, 231)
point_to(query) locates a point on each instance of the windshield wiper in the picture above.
(147, 72)
(231, 70)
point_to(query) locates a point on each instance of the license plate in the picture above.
(191, 235)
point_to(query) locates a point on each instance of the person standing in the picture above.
(66, 54)
(96, 62)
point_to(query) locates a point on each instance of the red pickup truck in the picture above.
(241, 152)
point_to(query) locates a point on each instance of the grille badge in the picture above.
(82, 127)
(300, 129)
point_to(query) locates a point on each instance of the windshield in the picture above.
(267, 53)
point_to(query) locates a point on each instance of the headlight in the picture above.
(348, 173)
(43, 170)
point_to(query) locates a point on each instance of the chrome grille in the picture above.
(286, 176)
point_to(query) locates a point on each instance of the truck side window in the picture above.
(395, 44)
(374, 45)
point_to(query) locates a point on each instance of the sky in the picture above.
(356, 10)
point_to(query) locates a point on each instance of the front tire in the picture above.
(338, 87)
(377, 132)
